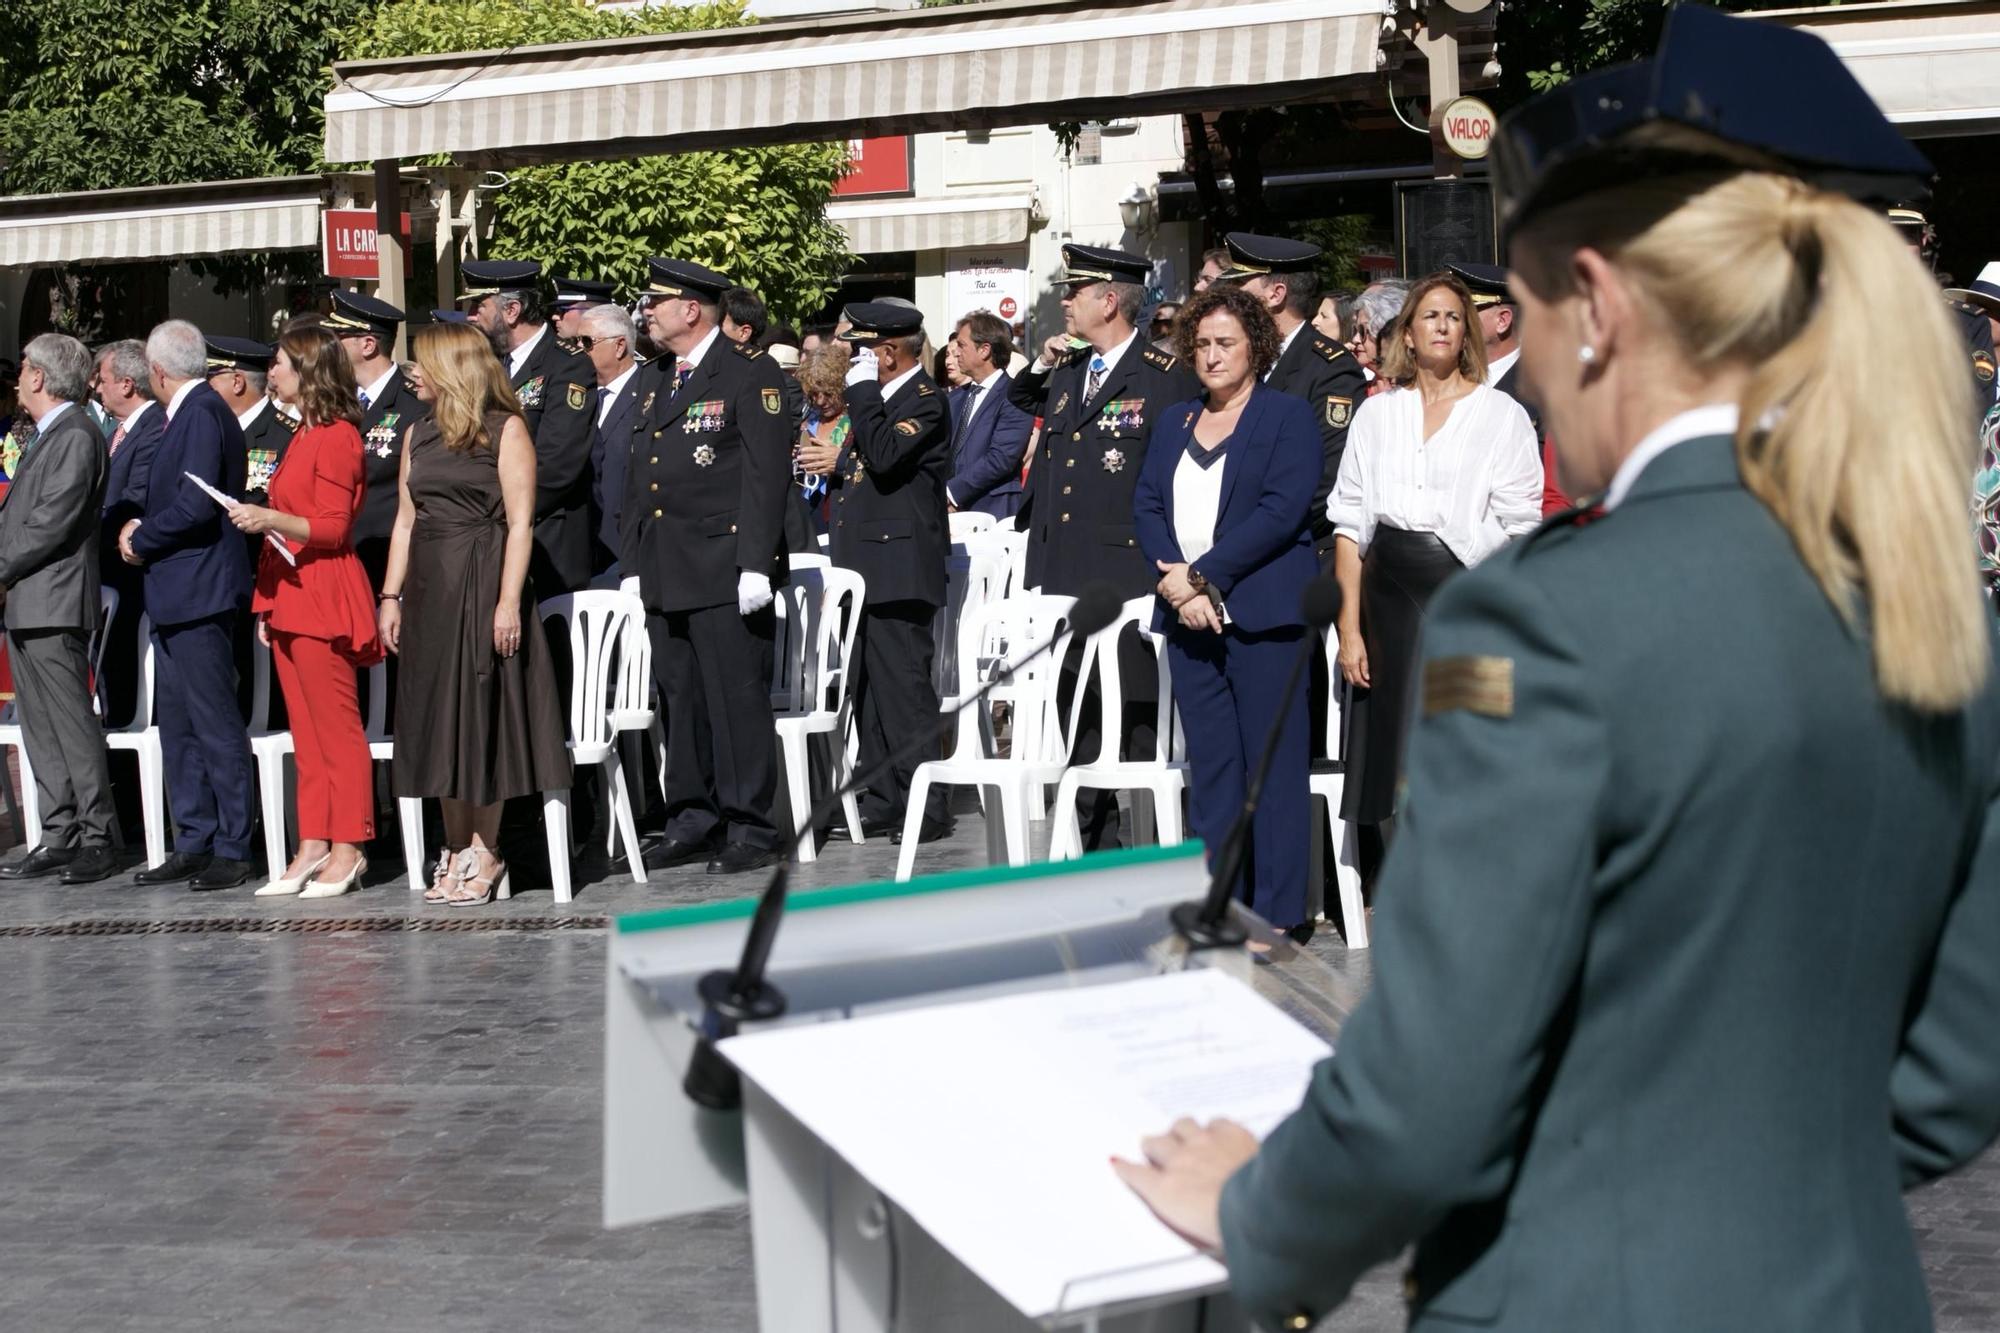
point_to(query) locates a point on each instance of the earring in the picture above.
(1586, 354)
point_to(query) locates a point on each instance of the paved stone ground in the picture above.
(401, 1130)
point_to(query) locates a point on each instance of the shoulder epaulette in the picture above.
(1154, 357)
(749, 352)
(291, 426)
(1327, 347)
(1964, 308)
(925, 391)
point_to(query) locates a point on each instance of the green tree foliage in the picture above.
(757, 214)
(105, 93)
(1552, 41)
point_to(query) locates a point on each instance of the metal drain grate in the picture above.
(257, 925)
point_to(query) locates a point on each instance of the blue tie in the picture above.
(1096, 380)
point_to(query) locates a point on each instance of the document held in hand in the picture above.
(992, 1123)
(230, 503)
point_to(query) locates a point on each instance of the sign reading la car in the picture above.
(349, 244)
(1468, 125)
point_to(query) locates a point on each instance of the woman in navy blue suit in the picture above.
(1221, 510)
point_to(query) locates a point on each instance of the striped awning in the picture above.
(908, 72)
(161, 221)
(1929, 64)
(883, 226)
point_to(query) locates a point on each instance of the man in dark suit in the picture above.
(1312, 366)
(558, 392)
(703, 529)
(606, 335)
(989, 435)
(1098, 389)
(48, 583)
(889, 527)
(197, 577)
(367, 328)
(124, 387)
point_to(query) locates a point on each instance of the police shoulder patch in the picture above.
(749, 352)
(1339, 411)
(907, 428)
(774, 402)
(575, 397)
(1153, 356)
(1481, 685)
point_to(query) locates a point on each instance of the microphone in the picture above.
(731, 998)
(1209, 924)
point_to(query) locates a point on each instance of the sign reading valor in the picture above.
(1467, 124)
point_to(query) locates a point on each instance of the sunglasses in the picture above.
(587, 341)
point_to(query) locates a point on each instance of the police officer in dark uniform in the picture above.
(703, 529)
(237, 369)
(366, 328)
(573, 297)
(1312, 366)
(889, 526)
(1098, 389)
(1971, 321)
(558, 392)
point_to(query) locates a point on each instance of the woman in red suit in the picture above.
(316, 612)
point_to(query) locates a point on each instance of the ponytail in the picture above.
(1856, 442)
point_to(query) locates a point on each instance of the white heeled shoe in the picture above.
(285, 888)
(320, 888)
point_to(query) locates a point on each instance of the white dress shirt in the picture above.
(250, 414)
(180, 396)
(1284, 346)
(609, 393)
(132, 418)
(889, 389)
(700, 349)
(371, 394)
(519, 356)
(1693, 424)
(1496, 370)
(1475, 483)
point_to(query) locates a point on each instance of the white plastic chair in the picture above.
(29, 807)
(819, 620)
(382, 749)
(1163, 775)
(971, 581)
(1004, 631)
(1010, 546)
(141, 736)
(1327, 787)
(268, 748)
(968, 521)
(611, 673)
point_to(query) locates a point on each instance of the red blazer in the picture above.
(327, 594)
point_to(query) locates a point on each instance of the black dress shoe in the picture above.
(38, 864)
(91, 864)
(879, 826)
(179, 866)
(221, 873)
(1301, 934)
(931, 831)
(738, 857)
(670, 852)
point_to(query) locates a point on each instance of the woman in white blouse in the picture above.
(1440, 471)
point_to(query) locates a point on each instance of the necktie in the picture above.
(603, 402)
(1095, 381)
(365, 402)
(682, 369)
(117, 437)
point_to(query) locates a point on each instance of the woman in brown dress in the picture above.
(477, 705)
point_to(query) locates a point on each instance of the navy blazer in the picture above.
(610, 449)
(125, 483)
(1262, 558)
(196, 564)
(987, 451)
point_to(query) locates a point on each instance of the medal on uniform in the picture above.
(381, 439)
(1114, 460)
(530, 393)
(1122, 414)
(704, 454)
(260, 465)
(1061, 403)
(647, 406)
(705, 416)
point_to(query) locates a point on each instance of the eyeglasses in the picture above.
(587, 341)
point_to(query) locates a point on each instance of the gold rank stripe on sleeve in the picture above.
(1481, 685)
(1155, 357)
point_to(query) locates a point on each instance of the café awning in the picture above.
(883, 226)
(908, 72)
(161, 221)
(1929, 64)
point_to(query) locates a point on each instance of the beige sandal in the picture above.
(469, 893)
(451, 868)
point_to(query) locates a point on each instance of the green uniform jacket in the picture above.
(1689, 959)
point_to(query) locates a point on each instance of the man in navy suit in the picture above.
(606, 334)
(989, 435)
(197, 576)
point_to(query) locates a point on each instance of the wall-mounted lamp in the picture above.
(1139, 210)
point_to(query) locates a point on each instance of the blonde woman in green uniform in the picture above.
(1686, 966)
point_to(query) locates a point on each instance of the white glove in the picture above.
(753, 592)
(863, 367)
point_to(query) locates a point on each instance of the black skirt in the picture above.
(1401, 573)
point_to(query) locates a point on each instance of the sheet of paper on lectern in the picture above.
(992, 1123)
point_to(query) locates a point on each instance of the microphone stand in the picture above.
(734, 997)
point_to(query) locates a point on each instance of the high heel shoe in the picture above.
(333, 889)
(469, 894)
(285, 888)
(450, 869)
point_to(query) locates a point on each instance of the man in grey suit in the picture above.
(50, 595)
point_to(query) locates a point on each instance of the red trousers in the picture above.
(336, 776)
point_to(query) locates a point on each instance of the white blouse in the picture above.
(1475, 483)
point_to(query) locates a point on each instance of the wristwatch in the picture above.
(1199, 582)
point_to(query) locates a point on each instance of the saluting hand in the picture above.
(1055, 349)
(1184, 1172)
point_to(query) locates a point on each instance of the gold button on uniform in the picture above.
(654, 459)
(654, 486)
(659, 513)
(1299, 1321)
(1065, 518)
(1066, 490)
(1071, 462)
(1076, 435)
